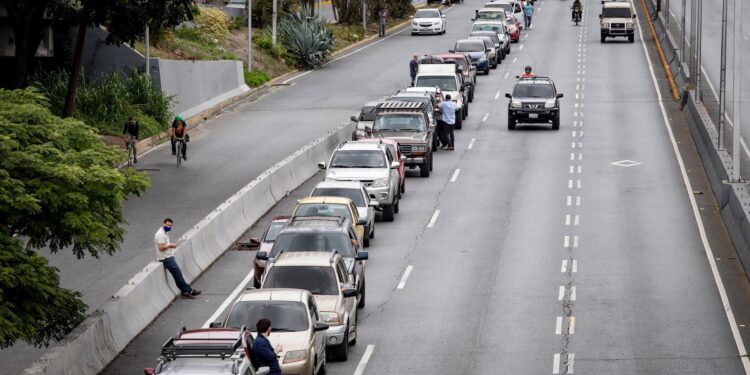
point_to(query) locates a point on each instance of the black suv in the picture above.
(534, 100)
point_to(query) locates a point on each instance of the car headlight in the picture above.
(549, 104)
(515, 103)
(295, 356)
(482, 59)
(330, 317)
(629, 25)
(415, 23)
(419, 148)
(605, 25)
(380, 182)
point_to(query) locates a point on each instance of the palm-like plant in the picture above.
(306, 38)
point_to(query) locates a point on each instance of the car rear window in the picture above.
(485, 27)
(287, 316)
(491, 15)
(446, 83)
(358, 159)
(318, 280)
(616, 13)
(504, 6)
(470, 46)
(323, 209)
(410, 123)
(533, 91)
(318, 241)
(354, 194)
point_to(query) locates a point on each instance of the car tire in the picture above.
(556, 123)
(323, 369)
(356, 334)
(366, 240)
(388, 212)
(430, 162)
(466, 110)
(362, 294)
(604, 38)
(487, 71)
(424, 170)
(459, 121)
(397, 205)
(341, 351)
(631, 38)
(372, 234)
(511, 123)
(471, 95)
(403, 188)
(256, 283)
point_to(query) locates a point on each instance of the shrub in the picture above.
(264, 41)
(306, 38)
(236, 23)
(255, 78)
(213, 25)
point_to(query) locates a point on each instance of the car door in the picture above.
(350, 304)
(518, 11)
(370, 210)
(319, 338)
(360, 229)
(357, 271)
(393, 173)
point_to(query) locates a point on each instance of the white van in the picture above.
(450, 81)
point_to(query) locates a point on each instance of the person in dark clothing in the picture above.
(382, 20)
(413, 66)
(130, 134)
(179, 130)
(264, 355)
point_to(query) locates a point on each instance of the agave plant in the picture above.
(306, 38)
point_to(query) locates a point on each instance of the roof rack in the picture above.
(178, 346)
(396, 106)
(338, 219)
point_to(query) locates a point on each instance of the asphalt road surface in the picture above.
(588, 250)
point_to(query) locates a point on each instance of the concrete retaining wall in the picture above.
(98, 340)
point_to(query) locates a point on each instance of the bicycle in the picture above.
(179, 143)
(130, 145)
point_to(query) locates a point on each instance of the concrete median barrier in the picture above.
(106, 332)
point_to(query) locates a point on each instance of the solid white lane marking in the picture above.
(497, 95)
(556, 363)
(365, 358)
(506, 75)
(564, 267)
(433, 219)
(471, 143)
(455, 174)
(571, 358)
(572, 325)
(699, 221)
(486, 115)
(405, 277)
(561, 293)
(575, 265)
(558, 325)
(230, 298)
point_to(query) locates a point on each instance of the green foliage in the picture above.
(58, 187)
(106, 104)
(213, 25)
(33, 307)
(236, 23)
(306, 38)
(264, 41)
(255, 78)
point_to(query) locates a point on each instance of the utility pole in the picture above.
(273, 23)
(723, 75)
(682, 47)
(147, 48)
(364, 18)
(250, 35)
(693, 46)
(666, 17)
(737, 76)
(698, 41)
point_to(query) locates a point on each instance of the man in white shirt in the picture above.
(165, 254)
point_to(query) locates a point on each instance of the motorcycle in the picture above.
(577, 13)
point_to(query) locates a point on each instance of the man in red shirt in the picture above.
(527, 73)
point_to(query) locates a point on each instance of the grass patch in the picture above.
(255, 78)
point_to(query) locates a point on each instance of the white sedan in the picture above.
(428, 21)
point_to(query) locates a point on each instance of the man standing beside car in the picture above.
(264, 355)
(448, 108)
(413, 67)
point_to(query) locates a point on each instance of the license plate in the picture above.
(533, 115)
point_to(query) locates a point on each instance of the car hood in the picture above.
(532, 99)
(347, 174)
(617, 20)
(403, 137)
(327, 303)
(290, 340)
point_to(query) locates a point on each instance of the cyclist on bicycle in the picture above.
(577, 9)
(130, 135)
(527, 73)
(179, 132)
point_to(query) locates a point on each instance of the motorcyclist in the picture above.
(527, 73)
(577, 8)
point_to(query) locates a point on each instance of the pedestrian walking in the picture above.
(448, 108)
(264, 355)
(130, 133)
(528, 11)
(413, 67)
(165, 254)
(382, 20)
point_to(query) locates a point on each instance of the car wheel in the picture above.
(323, 369)
(487, 71)
(424, 170)
(604, 38)
(631, 38)
(556, 123)
(362, 294)
(430, 162)
(471, 95)
(341, 351)
(388, 213)
(367, 238)
(466, 110)
(434, 143)
(397, 205)
(511, 123)
(372, 234)
(356, 334)
(459, 121)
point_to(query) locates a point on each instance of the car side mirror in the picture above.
(254, 241)
(473, 19)
(600, 16)
(634, 16)
(488, 50)
(216, 324)
(320, 326)
(322, 165)
(559, 95)
(261, 255)
(374, 204)
(395, 165)
(353, 118)
(507, 95)
(362, 222)
(362, 255)
(349, 292)
(442, 16)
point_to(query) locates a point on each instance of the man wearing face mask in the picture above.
(165, 254)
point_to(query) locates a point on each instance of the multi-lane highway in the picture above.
(588, 250)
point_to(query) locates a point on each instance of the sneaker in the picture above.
(188, 296)
(195, 292)
(443, 147)
(450, 148)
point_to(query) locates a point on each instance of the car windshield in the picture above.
(358, 159)
(460, 63)
(318, 280)
(354, 194)
(616, 13)
(427, 13)
(504, 6)
(318, 241)
(533, 91)
(491, 15)
(446, 83)
(287, 316)
(367, 114)
(323, 209)
(485, 27)
(400, 123)
(469, 46)
(273, 231)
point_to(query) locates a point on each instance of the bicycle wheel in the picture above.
(179, 153)
(130, 154)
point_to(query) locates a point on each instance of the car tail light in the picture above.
(149, 371)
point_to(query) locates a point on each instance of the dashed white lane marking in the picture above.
(578, 184)
(572, 145)
(520, 48)
(433, 219)
(571, 358)
(486, 116)
(497, 95)
(576, 219)
(229, 299)
(572, 156)
(506, 76)
(515, 59)
(471, 143)
(572, 293)
(572, 219)
(566, 241)
(575, 266)
(365, 358)
(572, 325)
(570, 184)
(558, 325)
(564, 266)
(561, 293)
(578, 200)
(455, 175)
(556, 363)
(405, 277)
